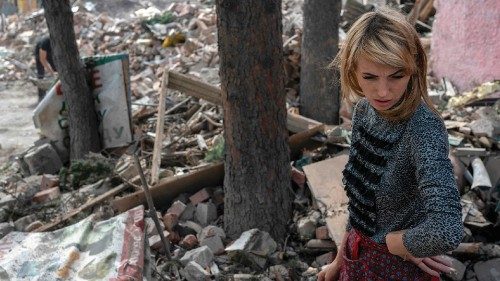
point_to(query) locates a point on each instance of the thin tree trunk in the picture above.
(83, 130)
(319, 88)
(257, 169)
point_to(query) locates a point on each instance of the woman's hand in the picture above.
(331, 272)
(432, 265)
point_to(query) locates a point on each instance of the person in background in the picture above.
(44, 61)
(404, 205)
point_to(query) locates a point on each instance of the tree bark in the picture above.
(319, 87)
(257, 169)
(83, 124)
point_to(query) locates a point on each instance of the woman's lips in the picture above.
(382, 102)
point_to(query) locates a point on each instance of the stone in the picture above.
(200, 196)
(488, 270)
(202, 255)
(211, 230)
(214, 270)
(49, 181)
(326, 245)
(195, 272)
(4, 214)
(170, 220)
(47, 195)
(177, 208)
(214, 243)
(189, 242)
(459, 272)
(151, 227)
(5, 228)
(252, 248)
(206, 213)
(23, 222)
(7, 200)
(322, 233)
(244, 277)
(188, 213)
(482, 127)
(324, 259)
(43, 160)
(306, 227)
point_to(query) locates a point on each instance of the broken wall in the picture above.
(465, 43)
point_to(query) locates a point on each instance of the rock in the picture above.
(279, 272)
(210, 231)
(49, 181)
(324, 259)
(151, 228)
(202, 255)
(33, 226)
(188, 213)
(47, 195)
(194, 272)
(7, 200)
(326, 245)
(4, 215)
(244, 277)
(482, 127)
(200, 196)
(206, 213)
(306, 227)
(43, 160)
(252, 248)
(189, 242)
(5, 228)
(459, 272)
(488, 270)
(23, 222)
(214, 270)
(170, 220)
(177, 208)
(214, 243)
(188, 227)
(322, 233)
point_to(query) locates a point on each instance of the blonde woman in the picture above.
(404, 208)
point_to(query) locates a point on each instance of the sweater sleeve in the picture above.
(441, 231)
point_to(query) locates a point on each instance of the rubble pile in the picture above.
(41, 194)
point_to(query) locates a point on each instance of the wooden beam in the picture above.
(160, 124)
(99, 199)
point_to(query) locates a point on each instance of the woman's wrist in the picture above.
(394, 242)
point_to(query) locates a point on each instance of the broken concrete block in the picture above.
(23, 222)
(43, 160)
(488, 270)
(200, 196)
(5, 228)
(202, 255)
(189, 242)
(49, 181)
(195, 272)
(206, 213)
(322, 233)
(214, 243)
(177, 208)
(47, 195)
(252, 248)
(188, 213)
(170, 220)
(459, 272)
(306, 227)
(326, 245)
(211, 230)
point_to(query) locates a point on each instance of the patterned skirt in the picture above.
(364, 259)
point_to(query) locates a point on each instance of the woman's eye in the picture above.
(397, 76)
(369, 77)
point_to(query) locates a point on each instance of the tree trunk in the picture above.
(319, 87)
(257, 169)
(83, 132)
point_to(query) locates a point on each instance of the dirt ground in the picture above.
(17, 132)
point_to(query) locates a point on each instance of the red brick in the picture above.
(322, 233)
(298, 177)
(170, 220)
(47, 195)
(49, 181)
(200, 196)
(189, 242)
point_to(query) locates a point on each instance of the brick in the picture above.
(322, 233)
(188, 213)
(189, 242)
(177, 208)
(49, 181)
(170, 220)
(200, 196)
(43, 160)
(47, 195)
(206, 213)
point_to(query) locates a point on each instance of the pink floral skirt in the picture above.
(365, 259)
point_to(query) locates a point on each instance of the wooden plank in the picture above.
(169, 188)
(325, 182)
(295, 123)
(160, 124)
(99, 199)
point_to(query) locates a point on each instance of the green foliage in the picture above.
(166, 17)
(87, 171)
(216, 153)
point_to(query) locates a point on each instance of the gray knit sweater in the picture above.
(399, 177)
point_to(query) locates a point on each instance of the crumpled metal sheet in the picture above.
(88, 250)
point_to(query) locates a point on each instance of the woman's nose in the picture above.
(383, 89)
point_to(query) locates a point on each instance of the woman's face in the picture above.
(382, 85)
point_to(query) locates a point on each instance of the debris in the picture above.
(252, 248)
(322, 233)
(42, 160)
(206, 213)
(189, 242)
(199, 196)
(202, 256)
(194, 272)
(487, 270)
(459, 272)
(47, 195)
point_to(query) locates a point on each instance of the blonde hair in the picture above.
(384, 36)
